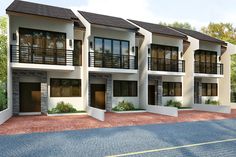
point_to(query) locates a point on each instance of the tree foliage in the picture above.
(176, 24)
(223, 31)
(3, 49)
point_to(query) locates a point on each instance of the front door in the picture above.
(98, 96)
(30, 97)
(151, 94)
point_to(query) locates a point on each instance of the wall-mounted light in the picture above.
(181, 54)
(13, 36)
(132, 49)
(91, 44)
(149, 50)
(70, 43)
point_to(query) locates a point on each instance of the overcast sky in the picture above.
(197, 12)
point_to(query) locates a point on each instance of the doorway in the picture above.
(30, 97)
(151, 94)
(98, 92)
(197, 95)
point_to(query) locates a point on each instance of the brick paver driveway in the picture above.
(30, 124)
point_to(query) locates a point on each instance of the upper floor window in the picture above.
(111, 46)
(77, 56)
(42, 39)
(164, 52)
(205, 56)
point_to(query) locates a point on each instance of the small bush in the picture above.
(124, 106)
(212, 102)
(172, 103)
(63, 107)
(3, 99)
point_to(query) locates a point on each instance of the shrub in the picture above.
(124, 106)
(212, 102)
(63, 107)
(172, 103)
(3, 99)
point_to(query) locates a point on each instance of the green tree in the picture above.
(3, 49)
(176, 24)
(223, 31)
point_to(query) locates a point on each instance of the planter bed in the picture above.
(130, 111)
(67, 114)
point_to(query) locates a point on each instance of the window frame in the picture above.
(128, 86)
(171, 86)
(70, 86)
(112, 40)
(206, 87)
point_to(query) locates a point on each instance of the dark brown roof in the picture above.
(105, 20)
(199, 35)
(41, 10)
(158, 29)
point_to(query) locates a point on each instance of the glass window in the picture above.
(116, 47)
(107, 46)
(98, 45)
(172, 89)
(77, 55)
(125, 88)
(65, 87)
(209, 89)
(125, 48)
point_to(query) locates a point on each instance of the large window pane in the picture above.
(116, 47)
(172, 89)
(65, 87)
(124, 88)
(107, 46)
(98, 45)
(77, 56)
(214, 89)
(125, 47)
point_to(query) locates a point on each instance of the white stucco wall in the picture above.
(77, 102)
(41, 23)
(127, 77)
(174, 98)
(188, 78)
(168, 41)
(225, 82)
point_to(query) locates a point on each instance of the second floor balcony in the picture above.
(37, 55)
(168, 65)
(101, 60)
(208, 68)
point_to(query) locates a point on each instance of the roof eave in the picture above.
(16, 12)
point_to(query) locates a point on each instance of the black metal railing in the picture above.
(171, 65)
(112, 61)
(37, 55)
(208, 68)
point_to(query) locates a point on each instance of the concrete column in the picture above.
(159, 91)
(109, 93)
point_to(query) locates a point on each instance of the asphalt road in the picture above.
(208, 138)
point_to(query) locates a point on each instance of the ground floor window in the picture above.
(65, 87)
(172, 89)
(125, 88)
(209, 89)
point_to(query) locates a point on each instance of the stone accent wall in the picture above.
(29, 76)
(108, 81)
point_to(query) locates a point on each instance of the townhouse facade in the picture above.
(95, 60)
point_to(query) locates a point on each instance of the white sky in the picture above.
(197, 12)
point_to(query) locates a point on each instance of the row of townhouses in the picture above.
(87, 59)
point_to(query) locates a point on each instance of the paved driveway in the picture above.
(30, 124)
(203, 138)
